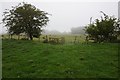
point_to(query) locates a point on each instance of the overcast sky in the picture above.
(67, 14)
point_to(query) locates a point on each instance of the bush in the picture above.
(45, 41)
(24, 39)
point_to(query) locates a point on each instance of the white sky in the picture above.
(68, 13)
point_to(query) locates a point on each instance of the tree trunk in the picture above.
(31, 38)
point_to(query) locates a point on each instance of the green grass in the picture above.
(35, 59)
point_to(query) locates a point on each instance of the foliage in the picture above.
(25, 18)
(105, 29)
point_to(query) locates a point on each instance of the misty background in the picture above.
(67, 17)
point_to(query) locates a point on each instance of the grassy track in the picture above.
(35, 59)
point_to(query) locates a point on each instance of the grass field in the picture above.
(68, 38)
(33, 59)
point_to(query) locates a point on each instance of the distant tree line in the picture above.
(77, 30)
(105, 29)
(51, 32)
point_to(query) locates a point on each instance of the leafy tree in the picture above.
(25, 18)
(105, 29)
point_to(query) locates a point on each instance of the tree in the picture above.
(25, 18)
(77, 30)
(104, 29)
